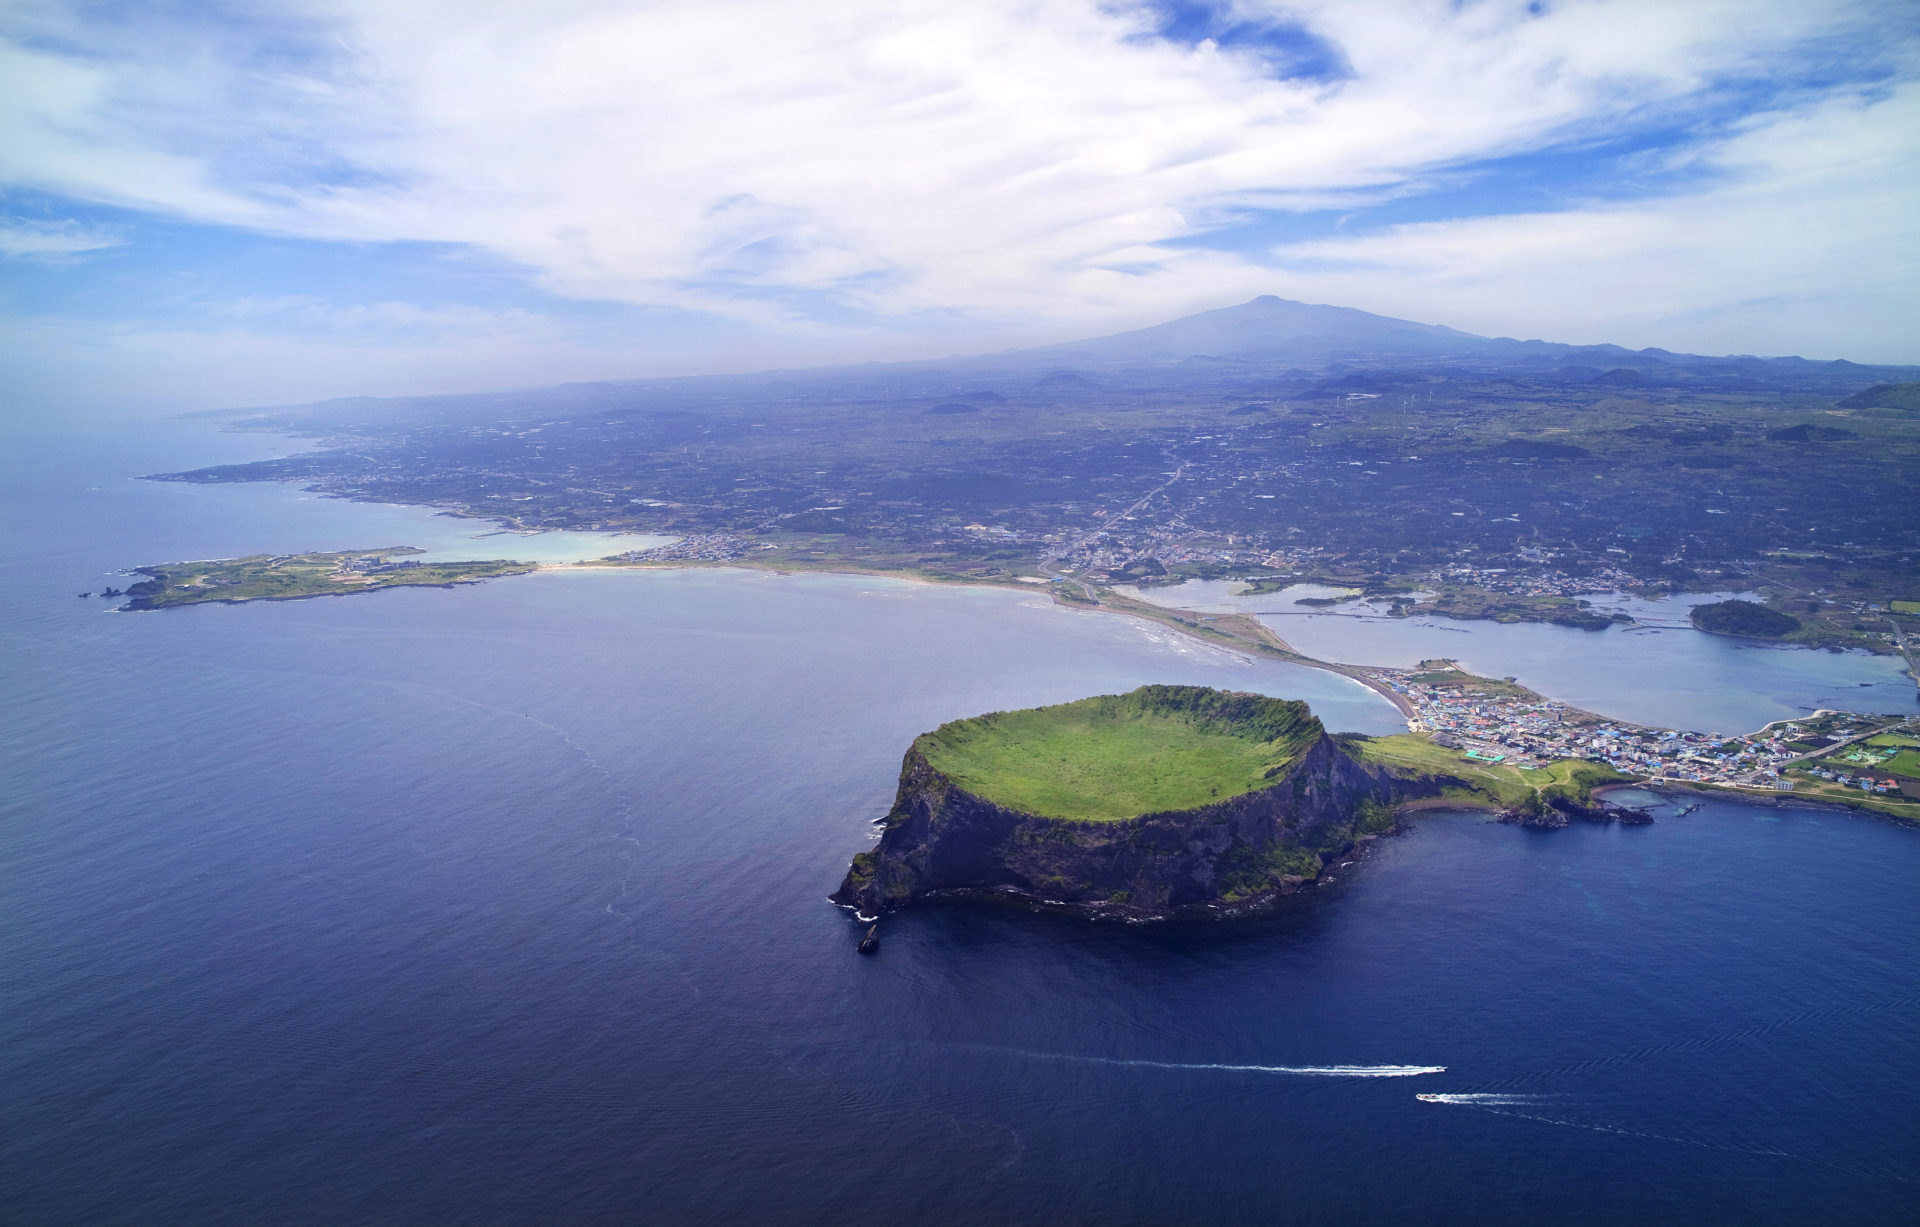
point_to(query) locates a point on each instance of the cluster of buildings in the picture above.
(1121, 545)
(1532, 582)
(1489, 726)
(373, 564)
(1866, 781)
(1867, 771)
(700, 547)
(1113, 551)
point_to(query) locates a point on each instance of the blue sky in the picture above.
(209, 204)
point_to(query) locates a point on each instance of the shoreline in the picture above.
(1277, 649)
(1773, 800)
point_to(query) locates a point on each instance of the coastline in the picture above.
(1773, 800)
(1194, 625)
(1194, 628)
(1235, 632)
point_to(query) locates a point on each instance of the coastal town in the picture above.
(695, 547)
(1497, 721)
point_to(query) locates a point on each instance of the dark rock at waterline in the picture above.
(1544, 817)
(941, 839)
(1554, 813)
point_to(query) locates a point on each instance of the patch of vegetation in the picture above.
(1485, 783)
(1885, 396)
(1807, 432)
(286, 577)
(1743, 618)
(1892, 804)
(814, 522)
(1415, 753)
(1572, 779)
(1373, 818)
(1113, 757)
(1466, 603)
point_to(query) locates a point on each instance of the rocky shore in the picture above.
(1555, 812)
(940, 839)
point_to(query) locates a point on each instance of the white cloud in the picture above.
(50, 240)
(1017, 163)
(1804, 242)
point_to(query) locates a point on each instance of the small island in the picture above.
(1746, 619)
(291, 577)
(1162, 800)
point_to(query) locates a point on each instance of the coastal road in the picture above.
(1906, 651)
(1824, 751)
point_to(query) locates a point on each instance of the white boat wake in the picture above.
(1307, 1071)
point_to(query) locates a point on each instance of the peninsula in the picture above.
(289, 577)
(1161, 800)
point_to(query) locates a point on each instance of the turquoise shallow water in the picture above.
(506, 903)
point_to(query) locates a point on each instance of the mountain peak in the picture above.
(1271, 327)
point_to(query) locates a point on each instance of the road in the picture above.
(1824, 751)
(1046, 564)
(1906, 652)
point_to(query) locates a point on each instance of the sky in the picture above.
(206, 204)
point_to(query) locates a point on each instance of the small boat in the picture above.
(871, 942)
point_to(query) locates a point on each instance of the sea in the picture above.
(507, 904)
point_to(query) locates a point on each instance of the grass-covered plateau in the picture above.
(1114, 757)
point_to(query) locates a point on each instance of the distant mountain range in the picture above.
(1268, 346)
(1269, 331)
(1275, 330)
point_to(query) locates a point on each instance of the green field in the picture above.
(1906, 759)
(1893, 804)
(1891, 752)
(282, 577)
(1906, 763)
(1118, 756)
(1485, 783)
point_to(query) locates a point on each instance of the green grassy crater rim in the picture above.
(1115, 757)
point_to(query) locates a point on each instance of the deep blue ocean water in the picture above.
(506, 904)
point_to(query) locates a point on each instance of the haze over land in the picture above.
(1462, 475)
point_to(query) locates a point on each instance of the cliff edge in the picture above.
(1289, 799)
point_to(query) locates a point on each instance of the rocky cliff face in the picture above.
(939, 838)
(1553, 813)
